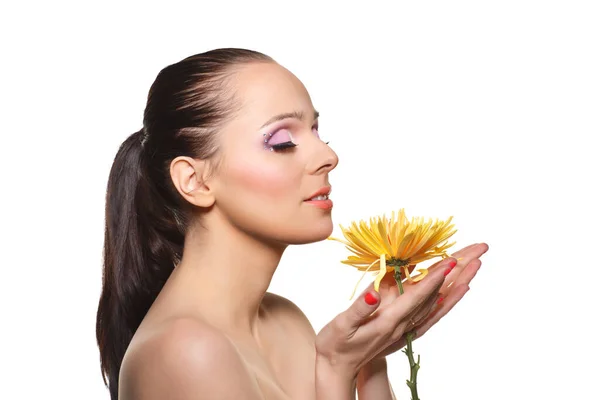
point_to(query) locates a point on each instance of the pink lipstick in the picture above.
(321, 199)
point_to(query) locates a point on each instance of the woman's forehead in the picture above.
(268, 89)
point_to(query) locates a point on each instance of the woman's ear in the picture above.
(190, 179)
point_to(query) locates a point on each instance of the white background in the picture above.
(488, 111)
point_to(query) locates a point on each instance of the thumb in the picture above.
(363, 307)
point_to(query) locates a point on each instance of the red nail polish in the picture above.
(370, 299)
(446, 272)
(439, 301)
(452, 264)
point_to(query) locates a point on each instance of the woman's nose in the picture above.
(324, 160)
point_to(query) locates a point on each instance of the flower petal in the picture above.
(382, 272)
(361, 278)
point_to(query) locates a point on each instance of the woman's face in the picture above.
(273, 161)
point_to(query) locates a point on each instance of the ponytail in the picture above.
(146, 217)
(142, 243)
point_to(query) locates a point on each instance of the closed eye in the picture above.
(284, 145)
(282, 139)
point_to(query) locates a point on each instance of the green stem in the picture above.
(398, 278)
(414, 366)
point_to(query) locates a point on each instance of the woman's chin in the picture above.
(313, 233)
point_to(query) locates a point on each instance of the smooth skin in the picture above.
(214, 332)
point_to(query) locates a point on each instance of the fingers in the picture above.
(468, 273)
(464, 258)
(414, 308)
(430, 320)
(464, 277)
(455, 287)
(449, 302)
(415, 295)
(361, 309)
(418, 316)
(475, 250)
(444, 264)
(451, 295)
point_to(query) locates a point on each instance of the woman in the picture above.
(228, 171)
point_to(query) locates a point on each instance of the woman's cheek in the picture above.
(268, 182)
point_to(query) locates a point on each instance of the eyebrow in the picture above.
(296, 115)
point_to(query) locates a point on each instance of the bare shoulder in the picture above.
(287, 312)
(185, 359)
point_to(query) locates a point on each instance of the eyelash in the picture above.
(286, 145)
(283, 146)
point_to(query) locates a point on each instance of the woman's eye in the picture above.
(279, 140)
(283, 146)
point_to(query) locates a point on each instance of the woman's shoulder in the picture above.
(180, 358)
(180, 332)
(287, 312)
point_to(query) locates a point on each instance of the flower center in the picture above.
(396, 262)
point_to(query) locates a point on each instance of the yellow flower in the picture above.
(396, 243)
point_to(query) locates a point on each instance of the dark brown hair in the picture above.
(146, 218)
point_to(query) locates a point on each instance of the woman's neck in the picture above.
(225, 273)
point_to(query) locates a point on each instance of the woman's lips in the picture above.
(324, 191)
(324, 204)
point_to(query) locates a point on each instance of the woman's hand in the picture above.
(455, 285)
(368, 327)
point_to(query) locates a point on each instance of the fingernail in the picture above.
(439, 301)
(370, 299)
(446, 272)
(452, 264)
